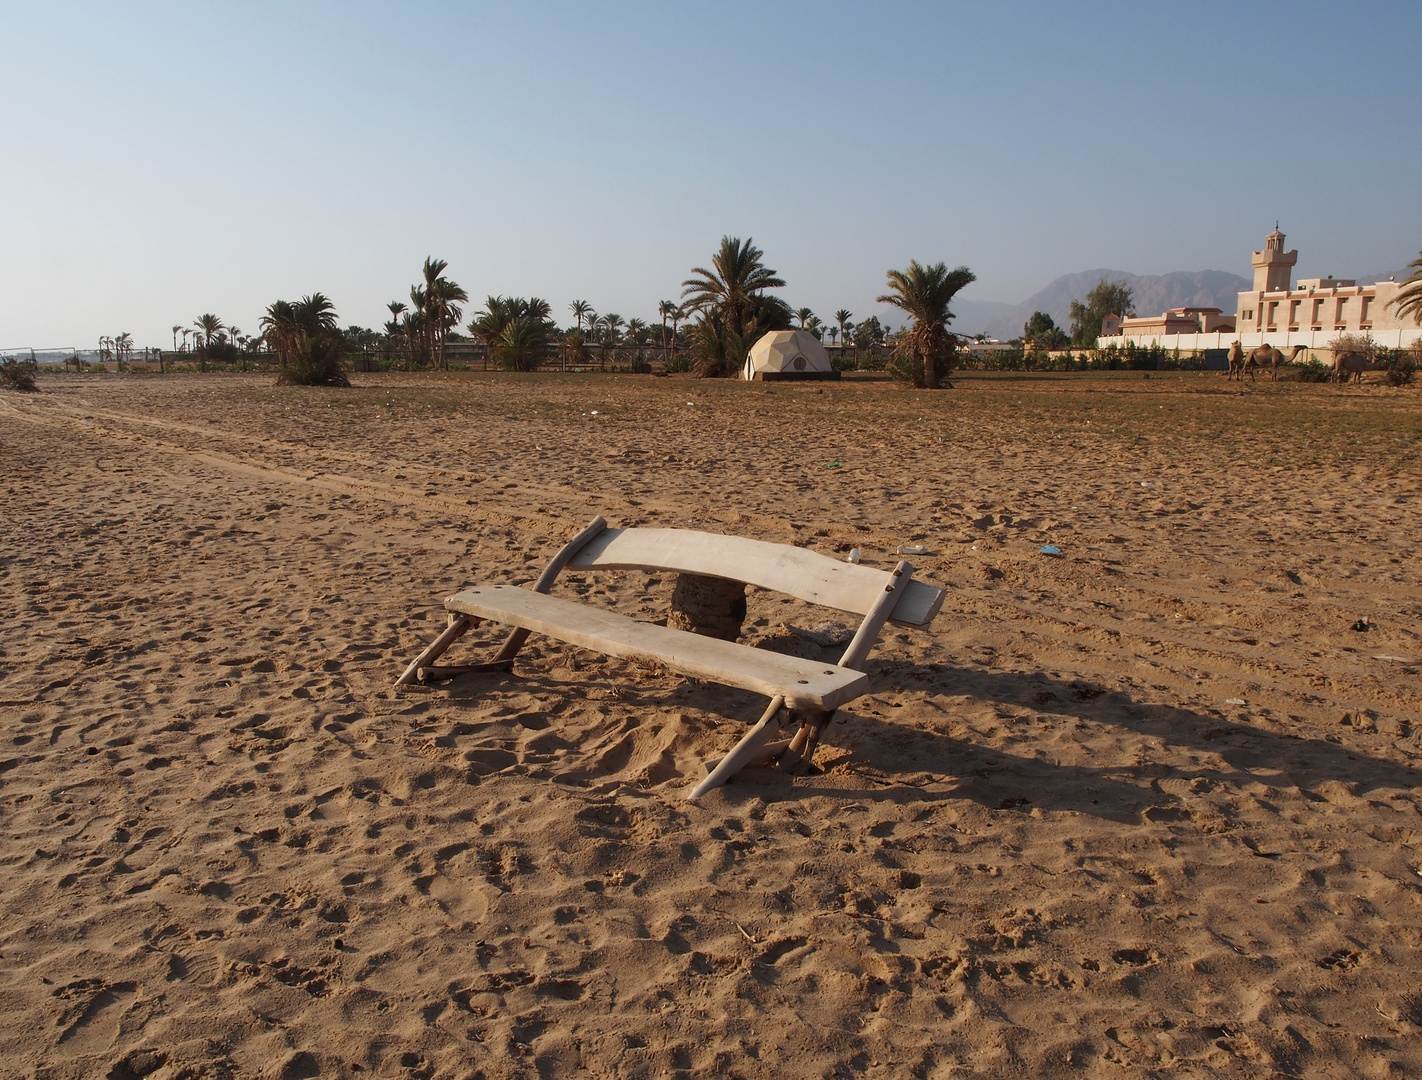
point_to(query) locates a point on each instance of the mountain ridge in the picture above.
(1153, 294)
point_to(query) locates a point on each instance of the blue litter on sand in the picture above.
(1049, 550)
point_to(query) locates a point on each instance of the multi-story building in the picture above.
(1276, 312)
(1316, 304)
(1180, 320)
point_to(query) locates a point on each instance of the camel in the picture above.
(1272, 358)
(1351, 365)
(1236, 361)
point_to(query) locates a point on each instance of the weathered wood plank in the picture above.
(803, 683)
(794, 571)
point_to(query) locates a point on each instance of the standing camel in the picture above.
(1350, 366)
(1266, 356)
(1236, 361)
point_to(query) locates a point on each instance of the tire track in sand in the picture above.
(109, 423)
(90, 420)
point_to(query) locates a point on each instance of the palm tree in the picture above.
(678, 313)
(728, 292)
(581, 309)
(305, 337)
(841, 318)
(638, 335)
(515, 330)
(410, 330)
(1408, 300)
(175, 337)
(924, 293)
(489, 324)
(523, 343)
(575, 347)
(234, 335)
(441, 299)
(396, 307)
(419, 302)
(123, 347)
(278, 325)
(208, 326)
(445, 300)
(433, 268)
(611, 324)
(804, 314)
(734, 308)
(665, 310)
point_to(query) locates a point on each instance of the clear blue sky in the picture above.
(158, 161)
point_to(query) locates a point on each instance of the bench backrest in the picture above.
(807, 575)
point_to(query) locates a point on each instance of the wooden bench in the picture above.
(809, 691)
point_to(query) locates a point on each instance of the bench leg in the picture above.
(432, 673)
(744, 752)
(511, 646)
(457, 628)
(800, 754)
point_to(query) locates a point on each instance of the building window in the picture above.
(1367, 303)
(1318, 311)
(1273, 312)
(1294, 313)
(1341, 313)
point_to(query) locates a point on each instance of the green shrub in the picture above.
(217, 352)
(19, 375)
(1401, 368)
(316, 360)
(307, 342)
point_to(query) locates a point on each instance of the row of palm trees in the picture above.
(118, 348)
(518, 331)
(433, 313)
(726, 306)
(209, 331)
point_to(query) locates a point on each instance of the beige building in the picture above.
(1275, 312)
(1328, 304)
(1180, 320)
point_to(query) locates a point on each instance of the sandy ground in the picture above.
(1148, 808)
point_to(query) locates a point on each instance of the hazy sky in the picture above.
(164, 160)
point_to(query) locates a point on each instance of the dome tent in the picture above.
(788, 354)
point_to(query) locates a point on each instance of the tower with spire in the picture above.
(1274, 267)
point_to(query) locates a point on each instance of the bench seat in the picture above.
(804, 684)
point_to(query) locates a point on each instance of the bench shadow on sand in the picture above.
(902, 760)
(911, 764)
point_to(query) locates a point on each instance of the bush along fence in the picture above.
(1398, 365)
